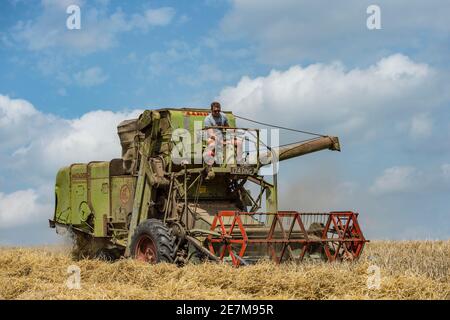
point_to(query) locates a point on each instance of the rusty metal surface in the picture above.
(304, 147)
(289, 236)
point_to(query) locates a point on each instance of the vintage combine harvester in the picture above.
(163, 203)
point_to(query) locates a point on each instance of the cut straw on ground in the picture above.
(408, 270)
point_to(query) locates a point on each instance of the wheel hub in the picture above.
(146, 250)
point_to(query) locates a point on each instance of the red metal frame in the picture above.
(341, 239)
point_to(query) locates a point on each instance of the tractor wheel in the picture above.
(153, 242)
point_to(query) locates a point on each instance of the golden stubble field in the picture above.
(408, 270)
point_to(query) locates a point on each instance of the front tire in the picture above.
(153, 242)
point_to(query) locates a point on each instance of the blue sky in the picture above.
(305, 64)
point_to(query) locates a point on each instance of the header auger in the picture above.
(162, 203)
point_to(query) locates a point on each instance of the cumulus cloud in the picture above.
(99, 28)
(93, 136)
(21, 207)
(90, 77)
(13, 112)
(52, 141)
(38, 145)
(332, 98)
(397, 179)
(15, 115)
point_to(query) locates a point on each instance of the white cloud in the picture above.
(93, 136)
(36, 137)
(397, 179)
(398, 67)
(21, 207)
(15, 117)
(37, 145)
(14, 111)
(99, 29)
(90, 77)
(330, 97)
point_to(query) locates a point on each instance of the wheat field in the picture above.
(408, 270)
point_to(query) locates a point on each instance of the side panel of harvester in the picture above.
(89, 199)
(99, 196)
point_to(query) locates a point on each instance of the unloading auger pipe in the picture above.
(301, 148)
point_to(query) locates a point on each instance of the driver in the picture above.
(218, 119)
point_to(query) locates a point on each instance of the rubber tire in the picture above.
(161, 236)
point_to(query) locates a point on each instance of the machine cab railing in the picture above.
(232, 146)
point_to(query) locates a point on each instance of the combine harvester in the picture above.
(153, 207)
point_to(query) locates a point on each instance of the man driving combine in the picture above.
(218, 119)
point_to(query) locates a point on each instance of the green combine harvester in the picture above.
(162, 203)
